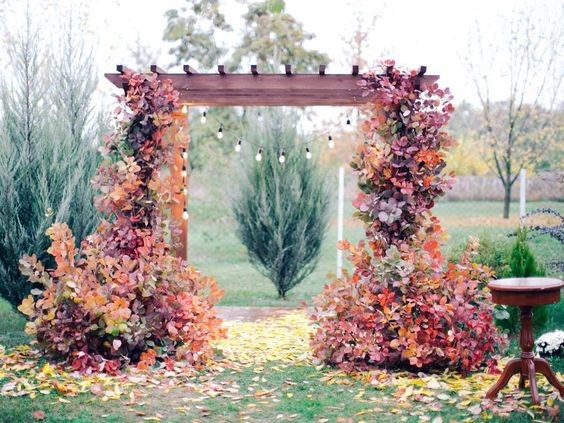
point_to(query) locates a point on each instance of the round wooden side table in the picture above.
(526, 293)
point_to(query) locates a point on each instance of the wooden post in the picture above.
(522, 194)
(180, 204)
(340, 216)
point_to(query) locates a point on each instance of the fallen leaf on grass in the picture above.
(38, 415)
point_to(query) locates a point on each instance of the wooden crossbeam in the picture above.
(254, 89)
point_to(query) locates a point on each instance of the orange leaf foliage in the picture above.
(399, 308)
(123, 296)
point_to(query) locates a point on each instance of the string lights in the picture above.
(184, 108)
(184, 172)
(184, 154)
(185, 214)
(260, 152)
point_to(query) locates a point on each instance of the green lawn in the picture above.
(298, 397)
(215, 249)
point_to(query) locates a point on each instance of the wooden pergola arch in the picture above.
(257, 89)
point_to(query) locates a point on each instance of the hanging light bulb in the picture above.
(308, 153)
(348, 120)
(185, 214)
(238, 146)
(282, 157)
(183, 173)
(185, 191)
(330, 142)
(204, 119)
(258, 157)
(184, 154)
(184, 109)
(220, 132)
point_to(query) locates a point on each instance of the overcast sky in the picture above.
(432, 33)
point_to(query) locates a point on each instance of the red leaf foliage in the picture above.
(400, 308)
(123, 296)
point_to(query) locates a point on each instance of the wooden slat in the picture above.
(157, 70)
(322, 69)
(123, 69)
(254, 70)
(189, 69)
(417, 83)
(268, 89)
(355, 70)
(221, 69)
(288, 70)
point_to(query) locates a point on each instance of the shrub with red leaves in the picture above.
(123, 296)
(400, 308)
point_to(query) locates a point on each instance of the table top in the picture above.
(526, 284)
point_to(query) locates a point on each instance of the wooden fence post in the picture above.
(180, 166)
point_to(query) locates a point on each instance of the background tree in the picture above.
(142, 55)
(47, 147)
(270, 37)
(281, 209)
(519, 128)
(192, 28)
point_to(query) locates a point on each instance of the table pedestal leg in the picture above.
(542, 366)
(512, 368)
(527, 365)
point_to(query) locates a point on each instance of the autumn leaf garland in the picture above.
(399, 308)
(123, 296)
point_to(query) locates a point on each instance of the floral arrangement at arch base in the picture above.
(399, 308)
(123, 296)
